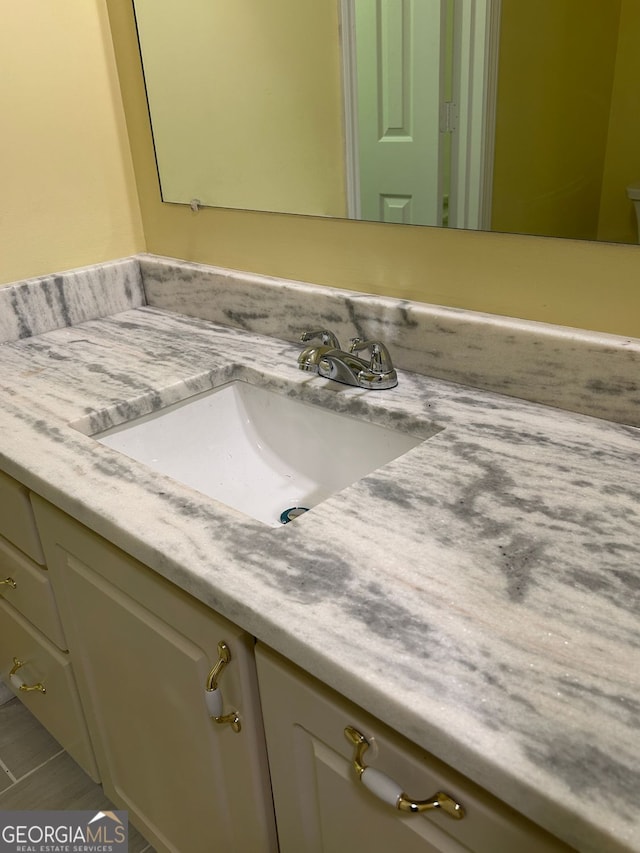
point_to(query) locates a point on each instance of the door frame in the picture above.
(347, 19)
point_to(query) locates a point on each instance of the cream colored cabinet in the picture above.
(323, 804)
(34, 660)
(178, 713)
(145, 652)
(17, 524)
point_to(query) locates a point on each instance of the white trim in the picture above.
(6, 693)
(350, 100)
(491, 100)
(477, 24)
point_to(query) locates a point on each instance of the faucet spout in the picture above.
(348, 368)
(341, 366)
(330, 361)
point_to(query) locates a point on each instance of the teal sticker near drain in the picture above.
(292, 513)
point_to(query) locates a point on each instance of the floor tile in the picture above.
(5, 779)
(24, 743)
(57, 784)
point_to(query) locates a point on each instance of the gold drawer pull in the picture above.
(17, 681)
(390, 792)
(8, 582)
(213, 695)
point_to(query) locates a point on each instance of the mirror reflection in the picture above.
(510, 115)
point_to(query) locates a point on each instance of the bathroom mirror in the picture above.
(510, 115)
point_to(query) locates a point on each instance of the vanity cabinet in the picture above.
(178, 702)
(144, 651)
(34, 657)
(322, 807)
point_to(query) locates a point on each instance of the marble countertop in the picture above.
(479, 594)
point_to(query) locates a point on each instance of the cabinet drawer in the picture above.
(322, 807)
(59, 709)
(27, 587)
(17, 523)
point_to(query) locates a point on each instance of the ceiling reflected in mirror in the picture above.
(507, 115)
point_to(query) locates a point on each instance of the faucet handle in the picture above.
(311, 355)
(328, 338)
(380, 358)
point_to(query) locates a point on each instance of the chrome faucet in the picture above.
(310, 356)
(377, 373)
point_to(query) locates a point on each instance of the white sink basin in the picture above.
(260, 452)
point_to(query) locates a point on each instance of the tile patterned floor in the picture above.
(36, 773)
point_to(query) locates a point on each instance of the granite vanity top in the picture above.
(479, 594)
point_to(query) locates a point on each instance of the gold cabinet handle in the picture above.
(8, 582)
(18, 682)
(231, 719)
(224, 658)
(390, 792)
(213, 695)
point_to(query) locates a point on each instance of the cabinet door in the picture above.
(321, 807)
(143, 651)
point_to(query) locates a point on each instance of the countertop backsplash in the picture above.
(572, 369)
(580, 371)
(38, 305)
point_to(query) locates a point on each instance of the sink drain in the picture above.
(292, 513)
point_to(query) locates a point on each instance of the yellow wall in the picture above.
(622, 164)
(68, 198)
(67, 193)
(556, 72)
(273, 60)
(588, 285)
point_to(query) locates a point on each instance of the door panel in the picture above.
(399, 92)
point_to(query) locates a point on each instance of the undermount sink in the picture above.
(258, 451)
